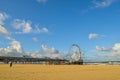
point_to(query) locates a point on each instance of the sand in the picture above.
(59, 72)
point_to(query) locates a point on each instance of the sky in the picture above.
(48, 28)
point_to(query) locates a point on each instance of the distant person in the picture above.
(10, 64)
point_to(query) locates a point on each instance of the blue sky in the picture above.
(30, 26)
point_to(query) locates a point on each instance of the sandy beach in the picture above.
(59, 72)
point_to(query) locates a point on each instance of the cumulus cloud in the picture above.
(24, 27)
(94, 35)
(17, 46)
(49, 52)
(15, 49)
(42, 1)
(103, 48)
(3, 31)
(116, 46)
(3, 16)
(109, 53)
(116, 50)
(103, 3)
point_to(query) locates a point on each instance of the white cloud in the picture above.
(44, 30)
(40, 30)
(22, 25)
(98, 4)
(109, 53)
(17, 46)
(103, 3)
(94, 35)
(49, 52)
(102, 48)
(3, 16)
(15, 49)
(116, 50)
(35, 40)
(3, 31)
(42, 1)
(27, 28)
(116, 46)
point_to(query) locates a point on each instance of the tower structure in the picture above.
(75, 55)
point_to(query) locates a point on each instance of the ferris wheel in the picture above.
(75, 54)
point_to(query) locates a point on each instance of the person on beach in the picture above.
(10, 64)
